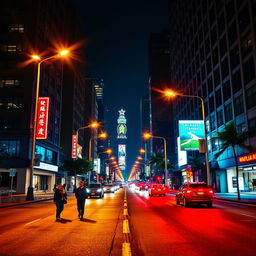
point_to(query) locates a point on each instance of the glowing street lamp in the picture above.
(171, 93)
(30, 192)
(147, 136)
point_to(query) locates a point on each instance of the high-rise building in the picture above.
(159, 79)
(212, 50)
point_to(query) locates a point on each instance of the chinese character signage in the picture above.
(247, 158)
(74, 144)
(191, 131)
(121, 125)
(121, 156)
(42, 118)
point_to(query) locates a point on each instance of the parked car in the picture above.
(195, 192)
(95, 189)
(109, 188)
(157, 189)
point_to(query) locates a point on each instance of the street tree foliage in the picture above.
(229, 137)
(76, 166)
(157, 161)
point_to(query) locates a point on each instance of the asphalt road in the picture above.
(31, 229)
(159, 227)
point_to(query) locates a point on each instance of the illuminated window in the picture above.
(17, 28)
(9, 83)
(10, 147)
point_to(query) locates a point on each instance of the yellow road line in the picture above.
(125, 212)
(125, 204)
(126, 249)
(126, 228)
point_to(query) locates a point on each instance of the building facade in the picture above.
(212, 46)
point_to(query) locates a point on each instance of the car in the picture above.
(195, 192)
(95, 190)
(157, 189)
(109, 188)
(142, 186)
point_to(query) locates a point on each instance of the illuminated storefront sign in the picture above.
(42, 118)
(121, 125)
(79, 151)
(182, 155)
(190, 132)
(97, 165)
(74, 143)
(247, 158)
(121, 156)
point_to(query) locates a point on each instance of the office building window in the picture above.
(210, 84)
(230, 10)
(40, 151)
(224, 68)
(216, 76)
(223, 46)
(10, 148)
(215, 56)
(213, 122)
(243, 18)
(252, 124)
(232, 33)
(17, 28)
(9, 83)
(239, 105)
(234, 57)
(218, 98)
(236, 81)
(221, 23)
(226, 90)
(246, 44)
(211, 103)
(240, 128)
(228, 112)
(220, 118)
(249, 70)
(250, 97)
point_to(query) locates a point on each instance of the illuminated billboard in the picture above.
(121, 156)
(182, 155)
(121, 125)
(96, 166)
(190, 132)
(42, 118)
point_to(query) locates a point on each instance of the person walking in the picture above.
(81, 195)
(60, 198)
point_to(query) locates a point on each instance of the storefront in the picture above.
(246, 174)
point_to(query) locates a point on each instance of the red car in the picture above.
(195, 192)
(142, 186)
(157, 189)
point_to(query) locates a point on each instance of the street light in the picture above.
(170, 93)
(147, 136)
(30, 192)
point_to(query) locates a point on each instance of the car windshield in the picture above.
(199, 186)
(94, 185)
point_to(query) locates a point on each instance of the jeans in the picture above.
(80, 207)
(59, 208)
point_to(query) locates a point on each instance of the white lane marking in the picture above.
(125, 212)
(32, 221)
(126, 228)
(126, 249)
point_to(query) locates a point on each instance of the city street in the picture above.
(160, 227)
(157, 227)
(31, 229)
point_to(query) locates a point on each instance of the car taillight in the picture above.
(210, 191)
(188, 191)
(152, 188)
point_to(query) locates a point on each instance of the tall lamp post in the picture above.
(170, 93)
(147, 136)
(30, 192)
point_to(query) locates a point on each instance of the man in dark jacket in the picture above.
(81, 195)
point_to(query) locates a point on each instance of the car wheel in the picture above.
(177, 200)
(164, 194)
(209, 205)
(185, 203)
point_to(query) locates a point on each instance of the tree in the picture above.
(196, 163)
(76, 166)
(229, 137)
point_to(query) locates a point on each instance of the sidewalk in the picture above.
(246, 197)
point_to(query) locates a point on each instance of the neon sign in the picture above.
(247, 158)
(121, 156)
(74, 144)
(42, 118)
(121, 125)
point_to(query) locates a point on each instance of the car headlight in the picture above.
(104, 189)
(99, 190)
(88, 190)
(112, 189)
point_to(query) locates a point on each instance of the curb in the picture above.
(26, 202)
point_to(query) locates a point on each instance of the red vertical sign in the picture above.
(42, 118)
(74, 145)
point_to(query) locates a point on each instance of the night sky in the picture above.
(117, 34)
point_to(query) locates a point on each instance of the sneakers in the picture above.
(58, 219)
